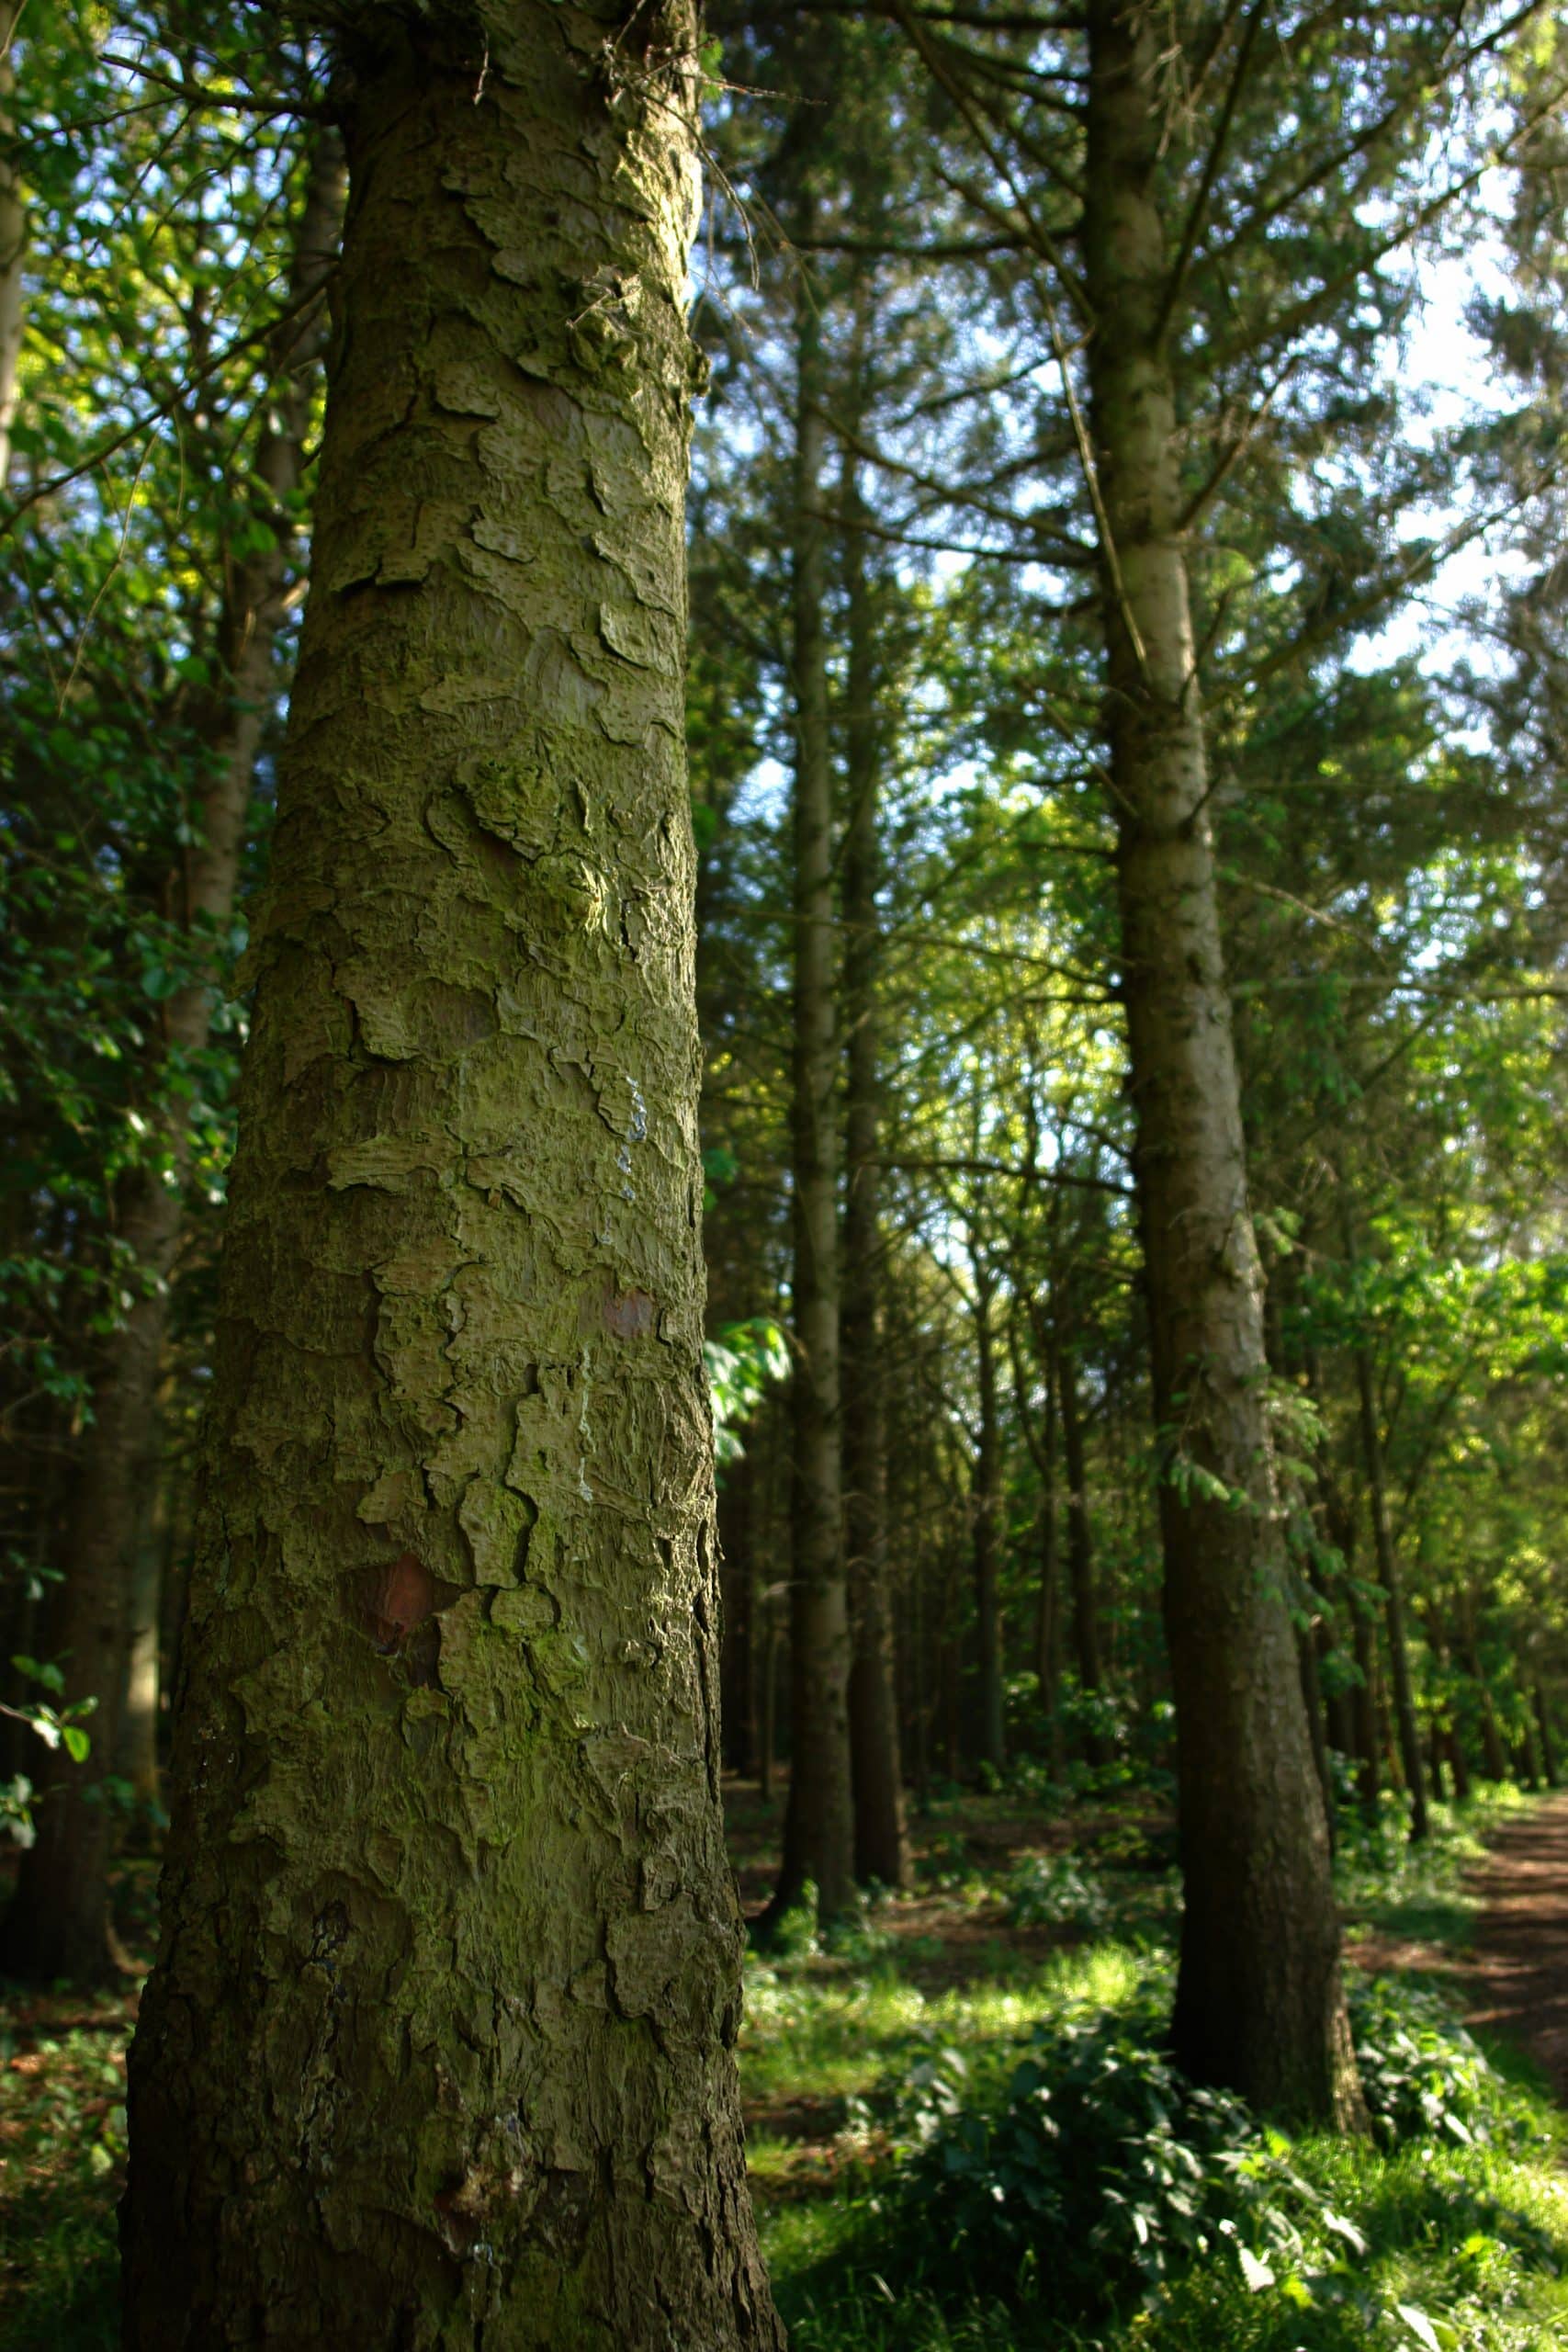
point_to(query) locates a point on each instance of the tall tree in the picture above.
(437, 2045)
(818, 1841)
(1259, 2004)
(882, 1846)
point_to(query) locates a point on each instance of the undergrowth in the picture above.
(1015, 2164)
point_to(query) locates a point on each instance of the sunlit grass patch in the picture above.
(812, 2033)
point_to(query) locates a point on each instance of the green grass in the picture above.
(1464, 2247)
(1416, 1892)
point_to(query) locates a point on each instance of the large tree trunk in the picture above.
(987, 1505)
(882, 1846)
(437, 2048)
(57, 1924)
(1259, 2005)
(1393, 1599)
(818, 1840)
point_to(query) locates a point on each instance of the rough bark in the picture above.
(818, 1841)
(13, 241)
(437, 2050)
(1389, 1577)
(1259, 2005)
(57, 1924)
(881, 1837)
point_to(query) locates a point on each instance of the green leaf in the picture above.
(1420, 2326)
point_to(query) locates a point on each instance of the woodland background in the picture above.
(894, 608)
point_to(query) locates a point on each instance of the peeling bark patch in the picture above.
(402, 1597)
(629, 1314)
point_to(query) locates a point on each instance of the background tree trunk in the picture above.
(819, 1842)
(881, 1839)
(438, 2046)
(1080, 1549)
(985, 1502)
(57, 1924)
(1259, 2006)
(1393, 1599)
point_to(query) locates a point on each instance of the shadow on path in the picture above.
(1516, 1976)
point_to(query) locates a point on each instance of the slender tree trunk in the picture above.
(1548, 1743)
(1311, 1694)
(1080, 1548)
(13, 241)
(986, 1504)
(136, 1754)
(437, 2049)
(1394, 1601)
(1369, 1777)
(1259, 2005)
(768, 1763)
(1494, 1761)
(737, 1517)
(1048, 1610)
(882, 1846)
(819, 1840)
(57, 1924)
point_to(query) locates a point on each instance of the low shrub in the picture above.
(1054, 1889)
(1100, 2170)
(1422, 2074)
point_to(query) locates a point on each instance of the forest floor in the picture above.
(1030, 1913)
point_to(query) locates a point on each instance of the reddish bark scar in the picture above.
(403, 1596)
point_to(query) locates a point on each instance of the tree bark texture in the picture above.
(57, 1924)
(882, 1844)
(1259, 2005)
(819, 1840)
(436, 2051)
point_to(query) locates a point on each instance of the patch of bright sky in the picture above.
(1445, 371)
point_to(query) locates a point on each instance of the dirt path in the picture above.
(1516, 1976)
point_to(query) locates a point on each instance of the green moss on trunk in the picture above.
(437, 2049)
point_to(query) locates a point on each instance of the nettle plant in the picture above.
(1101, 2172)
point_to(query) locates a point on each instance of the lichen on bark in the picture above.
(437, 2048)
